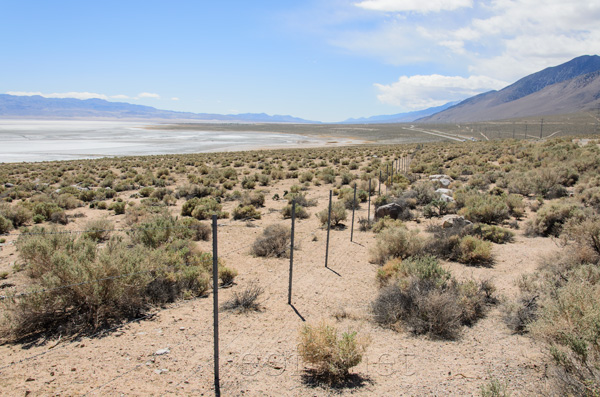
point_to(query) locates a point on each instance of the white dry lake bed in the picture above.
(43, 140)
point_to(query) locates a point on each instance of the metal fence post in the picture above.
(353, 210)
(387, 176)
(328, 229)
(379, 184)
(369, 208)
(216, 305)
(292, 251)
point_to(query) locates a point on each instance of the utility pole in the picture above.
(542, 128)
(513, 130)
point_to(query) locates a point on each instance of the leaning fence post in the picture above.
(353, 209)
(216, 305)
(328, 229)
(292, 251)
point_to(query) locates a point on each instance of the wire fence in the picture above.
(337, 262)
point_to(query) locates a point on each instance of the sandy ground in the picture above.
(258, 350)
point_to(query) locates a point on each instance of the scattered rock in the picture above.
(454, 220)
(444, 191)
(162, 352)
(392, 210)
(29, 379)
(160, 371)
(446, 198)
(439, 176)
(444, 180)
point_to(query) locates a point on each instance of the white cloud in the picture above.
(148, 95)
(424, 91)
(120, 97)
(76, 95)
(174, 98)
(505, 39)
(421, 6)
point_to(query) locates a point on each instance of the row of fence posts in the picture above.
(400, 165)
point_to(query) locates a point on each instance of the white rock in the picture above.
(445, 182)
(446, 198)
(162, 351)
(452, 220)
(444, 191)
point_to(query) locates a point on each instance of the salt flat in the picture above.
(43, 140)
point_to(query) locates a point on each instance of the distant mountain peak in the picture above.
(549, 91)
(399, 117)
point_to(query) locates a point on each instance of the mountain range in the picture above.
(407, 117)
(38, 107)
(571, 87)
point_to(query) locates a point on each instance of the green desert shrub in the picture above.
(396, 242)
(227, 275)
(330, 355)
(274, 242)
(551, 217)
(68, 201)
(301, 199)
(107, 284)
(245, 212)
(421, 297)
(118, 207)
(474, 251)
(59, 217)
(38, 218)
(98, 230)
(568, 323)
(306, 177)
(483, 208)
(515, 204)
(203, 208)
(495, 234)
(423, 192)
(248, 183)
(5, 225)
(386, 223)
(301, 212)
(190, 191)
(256, 199)
(194, 229)
(156, 231)
(338, 214)
(422, 267)
(17, 214)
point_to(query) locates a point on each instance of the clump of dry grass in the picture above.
(330, 354)
(245, 300)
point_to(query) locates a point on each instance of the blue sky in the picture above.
(324, 60)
